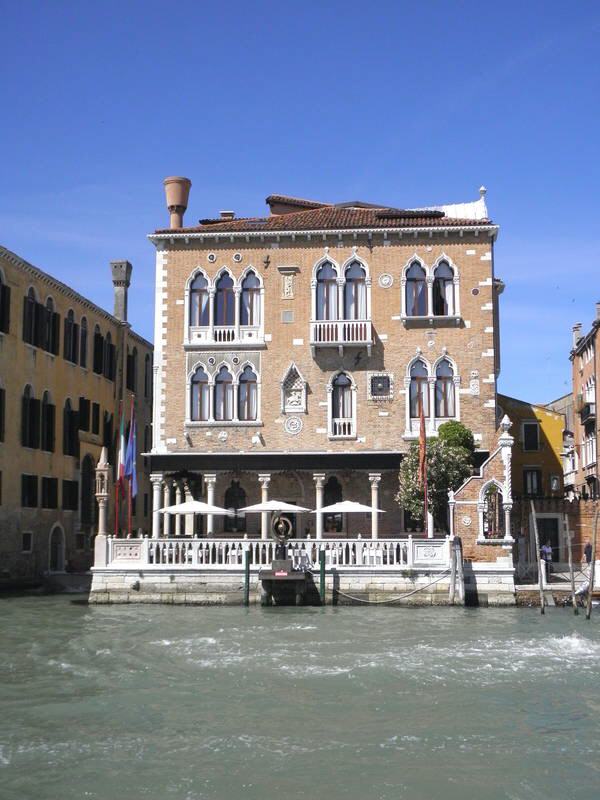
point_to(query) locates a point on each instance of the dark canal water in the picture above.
(167, 703)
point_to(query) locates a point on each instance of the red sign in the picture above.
(280, 574)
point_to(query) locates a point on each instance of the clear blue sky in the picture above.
(401, 102)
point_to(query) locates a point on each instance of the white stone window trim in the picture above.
(507, 539)
(354, 390)
(429, 278)
(242, 334)
(286, 409)
(432, 423)
(340, 271)
(212, 372)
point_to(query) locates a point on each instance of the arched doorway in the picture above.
(56, 550)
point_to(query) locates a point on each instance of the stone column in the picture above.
(319, 479)
(374, 478)
(264, 478)
(166, 502)
(210, 479)
(211, 314)
(178, 495)
(237, 295)
(156, 480)
(189, 518)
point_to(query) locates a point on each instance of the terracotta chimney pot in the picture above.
(177, 191)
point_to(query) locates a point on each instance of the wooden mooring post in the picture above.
(452, 592)
(569, 537)
(247, 576)
(322, 575)
(588, 612)
(539, 556)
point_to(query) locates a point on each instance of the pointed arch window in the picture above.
(419, 392)
(110, 361)
(200, 410)
(223, 407)
(70, 430)
(355, 292)
(29, 317)
(224, 301)
(199, 302)
(247, 395)
(48, 423)
(327, 292)
(443, 290)
(342, 422)
(445, 405)
(71, 338)
(250, 302)
(132, 361)
(493, 513)
(83, 343)
(416, 291)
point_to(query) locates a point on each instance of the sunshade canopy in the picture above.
(193, 507)
(349, 507)
(277, 506)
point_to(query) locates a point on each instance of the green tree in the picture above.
(449, 464)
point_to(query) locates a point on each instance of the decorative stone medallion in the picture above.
(386, 280)
(466, 521)
(237, 257)
(223, 436)
(293, 425)
(211, 257)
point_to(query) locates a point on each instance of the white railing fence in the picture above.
(356, 331)
(228, 554)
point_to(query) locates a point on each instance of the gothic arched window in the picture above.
(419, 393)
(250, 307)
(200, 400)
(247, 395)
(443, 290)
(223, 408)
(327, 292)
(444, 390)
(355, 292)
(416, 291)
(199, 308)
(224, 301)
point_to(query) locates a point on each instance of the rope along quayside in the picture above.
(393, 599)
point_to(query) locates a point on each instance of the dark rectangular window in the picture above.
(532, 482)
(531, 436)
(2, 413)
(96, 418)
(4, 307)
(70, 431)
(26, 542)
(29, 491)
(48, 426)
(84, 414)
(49, 492)
(98, 366)
(70, 494)
(31, 410)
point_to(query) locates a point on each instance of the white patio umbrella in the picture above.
(194, 507)
(349, 507)
(276, 506)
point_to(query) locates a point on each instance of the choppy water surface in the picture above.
(373, 703)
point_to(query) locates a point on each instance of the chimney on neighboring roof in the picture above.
(227, 214)
(177, 191)
(121, 278)
(576, 333)
(598, 310)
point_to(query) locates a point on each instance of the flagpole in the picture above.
(129, 507)
(117, 508)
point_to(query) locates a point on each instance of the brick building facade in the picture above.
(292, 352)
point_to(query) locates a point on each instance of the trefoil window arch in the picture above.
(355, 292)
(419, 389)
(445, 405)
(200, 399)
(223, 395)
(416, 290)
(444, 301)
(224, 301)
(250, 311)
(327, 292)
(247, 395)
(199, 302)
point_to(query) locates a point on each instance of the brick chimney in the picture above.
(177, 191)
(121, 278)
(576, 333)
(598, 310)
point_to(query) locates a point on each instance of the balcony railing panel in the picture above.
(339, 332)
